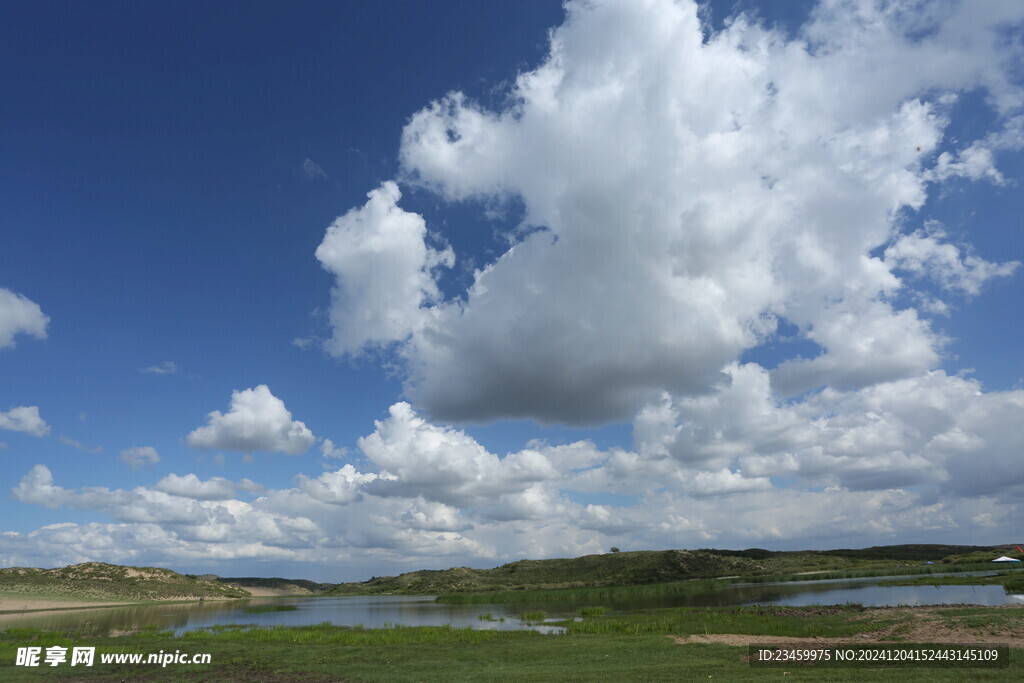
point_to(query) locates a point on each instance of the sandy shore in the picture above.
(13, 603)
(14, 608)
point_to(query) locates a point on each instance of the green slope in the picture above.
(99, 581)
(645, 567)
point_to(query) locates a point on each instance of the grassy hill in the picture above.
(609, 569)
(99, 581)
(590, 570)
(646, 567)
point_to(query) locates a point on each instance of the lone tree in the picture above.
(615, 550)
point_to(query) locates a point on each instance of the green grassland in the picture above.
(601, 647)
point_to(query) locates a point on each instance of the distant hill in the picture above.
(276, 585)
(658, 566)
(99, 581)
(645, 566)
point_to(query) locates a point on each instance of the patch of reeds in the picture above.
(766, 621)
(257, 609)
(584, 596)
(327, 633)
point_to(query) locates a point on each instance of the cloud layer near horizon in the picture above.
(894, 460)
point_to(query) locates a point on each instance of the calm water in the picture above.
(381, 611)
(367, 611)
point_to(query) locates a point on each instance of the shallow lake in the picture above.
(382, 611)
(368, 611)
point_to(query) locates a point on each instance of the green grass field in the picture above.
(600, 648)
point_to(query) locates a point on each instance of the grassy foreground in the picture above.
(600, 647)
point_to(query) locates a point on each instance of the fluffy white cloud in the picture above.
(931, 429)
(444, 464)
(24, 419)
(338, 487)
(383, 271)
(138, 457)
(684, 190)
(190, 486)
(20, 315)
(928, 253)
(256, 421)
(863, 345)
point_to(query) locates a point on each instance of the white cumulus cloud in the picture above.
(256, 421)
(24, 419)
(684, 190)
(383, 271)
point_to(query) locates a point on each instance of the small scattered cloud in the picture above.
(140, 456)
(928, 253)
(313, 170)
(77, 444)
(20, 315)
(329, 450)
(167, 367)
(256, 421)
(24, 419)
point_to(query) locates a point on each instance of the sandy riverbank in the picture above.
(13, 608)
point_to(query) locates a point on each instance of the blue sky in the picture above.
(470, 282)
